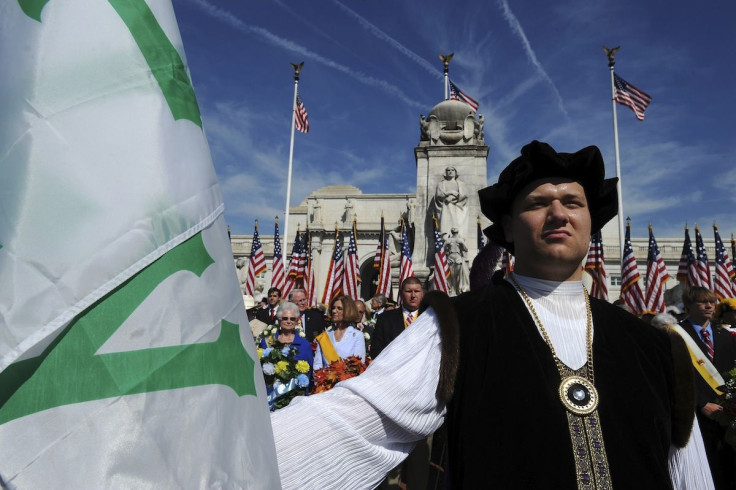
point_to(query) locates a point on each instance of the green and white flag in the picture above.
(126, 359)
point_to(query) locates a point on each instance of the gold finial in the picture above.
(445, 58)
(611, 53)
(297, 69)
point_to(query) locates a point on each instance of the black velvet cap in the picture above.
(539, 160)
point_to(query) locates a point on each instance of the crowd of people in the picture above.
(534, 383)
(348, 327)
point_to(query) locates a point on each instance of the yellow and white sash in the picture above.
(328, 350)
(702, 364)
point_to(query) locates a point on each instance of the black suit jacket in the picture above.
(724, 355)
(389, 325)
(264, 315)
(315, 323)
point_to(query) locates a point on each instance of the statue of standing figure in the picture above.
(457, 258)
(451, 202)
(242, 272)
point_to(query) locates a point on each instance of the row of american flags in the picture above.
(343, 273)
(693, 270)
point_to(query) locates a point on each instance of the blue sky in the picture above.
(536, 67)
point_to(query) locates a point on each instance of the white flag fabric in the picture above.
(126, 359)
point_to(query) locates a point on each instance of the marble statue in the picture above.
(457, 258)
(349, 211)
(451, 202)
(242, 272)
(424, 128)
(317, 212)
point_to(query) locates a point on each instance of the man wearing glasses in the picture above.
(311, 320)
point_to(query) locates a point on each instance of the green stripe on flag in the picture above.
(162, 57)
(71, 372)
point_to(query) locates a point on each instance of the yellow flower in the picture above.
(260, 353)
(281, 366)
(302, 366)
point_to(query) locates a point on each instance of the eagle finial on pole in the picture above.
(611, 52)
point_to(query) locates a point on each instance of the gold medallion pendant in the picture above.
(578, 395)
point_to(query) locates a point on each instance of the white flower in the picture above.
(268, 368)
(367, 337)
(302, 334)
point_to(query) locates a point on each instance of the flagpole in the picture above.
(446, 62)
(297, 71)
(611, 53)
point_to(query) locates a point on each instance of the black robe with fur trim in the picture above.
(506, 425)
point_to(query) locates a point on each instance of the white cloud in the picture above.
(516, 27)
(289, 45)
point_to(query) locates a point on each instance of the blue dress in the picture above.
(303, 349)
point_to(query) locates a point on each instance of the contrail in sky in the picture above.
(393, 42)
(516, 27)
(266, 35)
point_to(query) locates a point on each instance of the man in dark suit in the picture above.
(312, 321)
(720, 347)
(268, 314)
(391, 323)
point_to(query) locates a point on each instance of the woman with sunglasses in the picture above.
(288, 336)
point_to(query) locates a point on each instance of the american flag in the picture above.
(333, 288)
(301, 119)
(406, 267)
(457, 94)
(481, 237)
(507, 263)
(701, 263)
(687, 271)
(383, 257)
(630, 96)
(278, 278)
(594, 265)
(656, 277)
(723, 287)
(256, 264)
(441, 269)
(630, 289)
(297, 264)
(379, 248)
(351, 279)
(309, 280)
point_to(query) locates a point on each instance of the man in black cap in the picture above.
(575, 380)
(544, 387)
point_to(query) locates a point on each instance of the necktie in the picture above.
(409, 318)
(708, 343)
(271, 313)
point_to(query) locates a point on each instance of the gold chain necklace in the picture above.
(577, 393)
